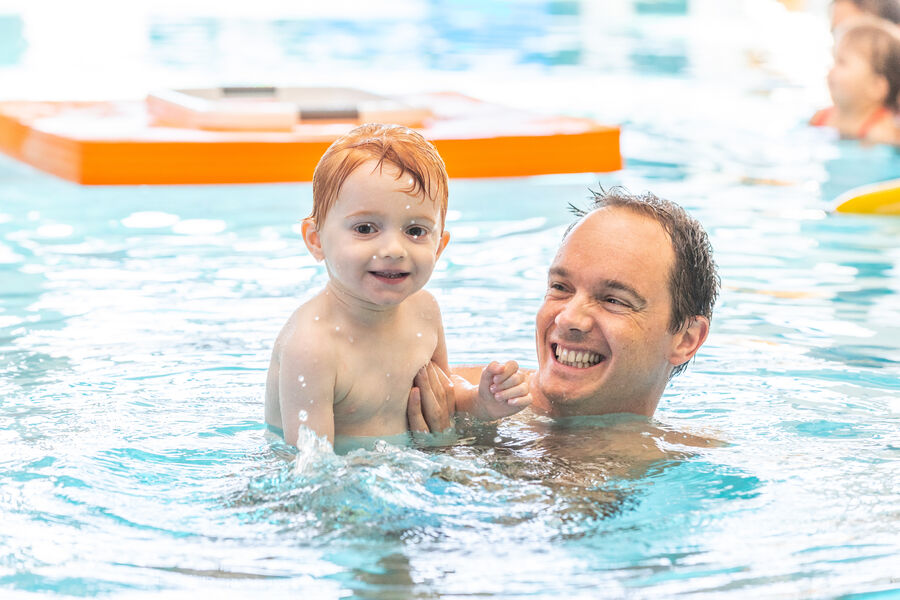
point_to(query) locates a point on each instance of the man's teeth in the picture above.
(581, 359)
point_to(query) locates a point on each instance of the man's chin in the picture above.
(559, 392)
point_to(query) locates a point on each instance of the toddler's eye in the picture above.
(364, 228)
(416, 231)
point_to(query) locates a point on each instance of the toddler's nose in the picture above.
(393, 247)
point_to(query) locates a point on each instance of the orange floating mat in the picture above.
(101, 143)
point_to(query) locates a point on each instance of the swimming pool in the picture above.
(136, 325)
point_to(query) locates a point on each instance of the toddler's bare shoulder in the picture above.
(424, 300)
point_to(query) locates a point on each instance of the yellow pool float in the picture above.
(875, 199)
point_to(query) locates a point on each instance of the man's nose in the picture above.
(575, 315)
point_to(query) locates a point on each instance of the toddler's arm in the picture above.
(503, 390)
(435, 398)
(306, 391)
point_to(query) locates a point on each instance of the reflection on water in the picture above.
(136, 325)
(529, 490)
(12, 40)
(441, 35)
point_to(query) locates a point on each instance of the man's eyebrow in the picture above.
(618, 285)
(605, 284)
(559, 271)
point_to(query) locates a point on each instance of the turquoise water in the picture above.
(136, 325)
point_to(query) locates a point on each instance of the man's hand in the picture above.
(502, 391)
(432, 401)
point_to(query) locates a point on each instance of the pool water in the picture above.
(136, 325)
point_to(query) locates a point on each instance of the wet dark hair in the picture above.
(885, 9)
(694, 280)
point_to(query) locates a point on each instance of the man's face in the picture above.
(602, 333)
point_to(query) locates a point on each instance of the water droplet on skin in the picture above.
(303, 384)
(374, 257)
(316, 318)
(337, 328)
(300, 378)
(388, 374)
(303, 416)
(407, 207)
(419, 334)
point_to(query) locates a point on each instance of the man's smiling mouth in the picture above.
(580, 359)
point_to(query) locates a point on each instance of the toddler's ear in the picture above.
(445, 237)
(311, 238)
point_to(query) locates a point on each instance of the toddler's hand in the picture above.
(503, 391)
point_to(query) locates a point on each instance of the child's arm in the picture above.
(306, 391)
(435, 397)
(440, 352)
(502, 390)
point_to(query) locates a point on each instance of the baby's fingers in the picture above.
(503, 372)
(516, 395)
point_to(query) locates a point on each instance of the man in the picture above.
(629, 300)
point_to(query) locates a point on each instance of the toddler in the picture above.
(344, 363)
(864, 82)
(845, 11)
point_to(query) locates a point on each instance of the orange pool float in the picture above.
(219, 135)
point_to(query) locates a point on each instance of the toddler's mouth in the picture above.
(390, 275)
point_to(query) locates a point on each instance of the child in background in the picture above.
(864, 82)
(344, 363)
(844, 11)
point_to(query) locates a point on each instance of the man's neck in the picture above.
(542, 405)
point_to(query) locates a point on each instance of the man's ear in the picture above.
(311, 238)
(445, 238)
(689, 339)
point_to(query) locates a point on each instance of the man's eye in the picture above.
(364, 228)
(556, 288)
(416, 231)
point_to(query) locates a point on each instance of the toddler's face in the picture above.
(380, 244)
(852, 81)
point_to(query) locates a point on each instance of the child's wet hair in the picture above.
(884, 9)
(878, 40)
(395, 145)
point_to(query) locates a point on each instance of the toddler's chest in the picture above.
(374, 376)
